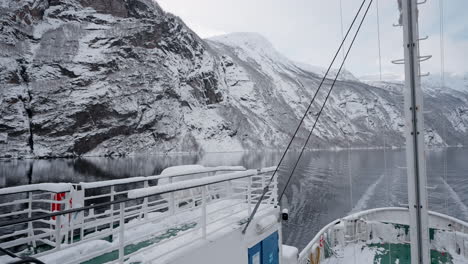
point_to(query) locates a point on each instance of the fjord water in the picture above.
(327, 184)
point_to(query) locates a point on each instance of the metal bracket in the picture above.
(399, 62)
(425, 38)
(424, 58)
(425, 74)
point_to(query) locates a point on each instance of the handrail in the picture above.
(100, 184)
(172, 187)
(235, 175)
(64, 187)
(46, 187)
(322, 231)
(304, 253)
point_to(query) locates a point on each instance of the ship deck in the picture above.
(385, 253)
(136, 220)
(383, 236)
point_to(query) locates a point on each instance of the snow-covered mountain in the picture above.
(454, 81)
(108, 77)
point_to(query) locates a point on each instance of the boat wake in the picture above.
(362, 202)
(457, 199)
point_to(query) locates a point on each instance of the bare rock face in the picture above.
(99, 77)
(116, 77)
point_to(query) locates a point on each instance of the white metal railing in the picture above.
(395, 215)
(44, 198)
(23, 202)
(136, 217)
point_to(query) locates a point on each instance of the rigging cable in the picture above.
(342, 32)
(378, 38)
(442, 84)
(348, 153)
(325, 101)
(265, 190)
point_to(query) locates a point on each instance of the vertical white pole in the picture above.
(121, 233)
(263, 181)
(415, 154)
(249, 195)
(229, 188)
(145, 202)
(58, 229)
(72, 216)
(30, 224)
(203, 216)
(112, 194)
(172, 203)
(82, 220)
(67, 217)
(275, 190)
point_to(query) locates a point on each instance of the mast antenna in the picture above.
(414, 132)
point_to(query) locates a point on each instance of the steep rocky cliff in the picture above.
(99, 77)
(111, 77)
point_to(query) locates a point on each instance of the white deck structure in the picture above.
(135, 220)
(352, 235)
(196, 220)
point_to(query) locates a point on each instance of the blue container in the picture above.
(266, 251)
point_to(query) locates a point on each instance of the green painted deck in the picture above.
(129, 249)
(401, 253)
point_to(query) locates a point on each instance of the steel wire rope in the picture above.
(266, 189)
(325, 101)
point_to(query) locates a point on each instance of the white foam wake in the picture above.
(362, 203)
(457, 199)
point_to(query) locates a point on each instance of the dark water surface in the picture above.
(327, 184)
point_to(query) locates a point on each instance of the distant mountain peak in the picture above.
(252, 45)
(251, 40)
(256, 46)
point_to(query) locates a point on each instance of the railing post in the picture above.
(145, 202)
(229, 188)
(249, 196)
(71, 222)
(203, 216)
(67, 220)
(275, 189)
(121, 233)
(30, 225)
(172, 203)
(58, 229)
(263, 181)
(83, 215)
(112, 198)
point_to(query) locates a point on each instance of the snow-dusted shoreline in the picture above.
(183, 153)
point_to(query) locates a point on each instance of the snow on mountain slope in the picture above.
(453, 81)
(358, 113)
(344, 74)
(117, 77)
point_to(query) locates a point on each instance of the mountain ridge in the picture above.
(122, 77)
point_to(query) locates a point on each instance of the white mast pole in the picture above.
(414, 133)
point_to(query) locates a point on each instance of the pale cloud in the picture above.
(309, 30)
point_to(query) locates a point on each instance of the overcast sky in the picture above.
(310, 30)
